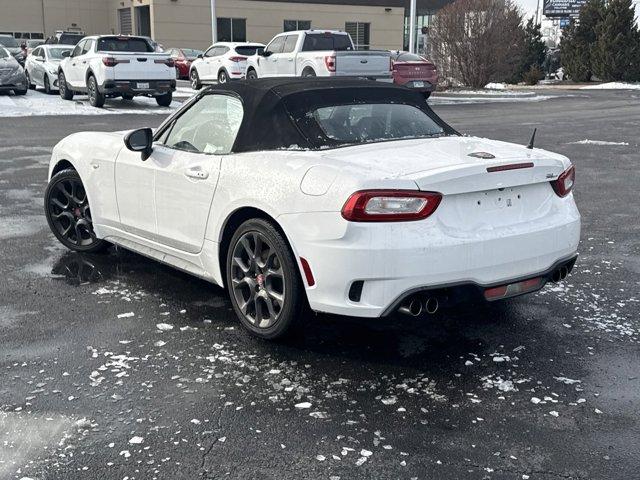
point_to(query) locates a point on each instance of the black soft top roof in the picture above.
(275, 109)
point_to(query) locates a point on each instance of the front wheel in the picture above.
(263, 280)
(196, 84)
(68, 214)
(47, 85)
(65, 92)
(165, 100)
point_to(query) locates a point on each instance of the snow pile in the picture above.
(613, 86)
(597, 142)
(496, 86)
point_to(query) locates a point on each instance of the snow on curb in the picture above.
(613, 86)
(597, 142)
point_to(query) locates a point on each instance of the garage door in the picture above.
(124, 20)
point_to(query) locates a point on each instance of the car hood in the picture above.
(13, 50)
(9, 62)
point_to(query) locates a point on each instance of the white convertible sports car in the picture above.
(349, 196)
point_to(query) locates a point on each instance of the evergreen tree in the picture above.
(533, 56)
(578, 41)
(616, 54)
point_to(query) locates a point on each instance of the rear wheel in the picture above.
(65, 92)
(252, 75)
(308, 72)
(222, 77)
(196, 84)
(68, 214)
(96, 99)
(47, 85)
(263, 281)
(165, 100)
(127, 96)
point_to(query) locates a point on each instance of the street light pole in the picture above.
(214, 22)
(412, 27)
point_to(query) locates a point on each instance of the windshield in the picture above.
(120, 44)
(4, 53)
(9, 42)
(374, 122)
(247, 50)
(56, 53)
(70, 38)
(34, 43)
(191, 53)
(326, 41)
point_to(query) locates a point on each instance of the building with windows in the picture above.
(188, 23)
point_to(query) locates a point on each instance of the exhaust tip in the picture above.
(412, 307)
(564, 271)
(431, 305)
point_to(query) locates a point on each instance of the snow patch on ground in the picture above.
(613, 86)
(597, 142)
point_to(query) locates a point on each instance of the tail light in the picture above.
(564, 183)
(390, 205)
(330, 62)
(169, 62)
(237, 59)
(112, 62)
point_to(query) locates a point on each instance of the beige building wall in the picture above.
(188, 22)
(38, 16)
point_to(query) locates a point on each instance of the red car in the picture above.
(414, 71)
(183, 58)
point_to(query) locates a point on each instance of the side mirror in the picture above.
(201, 56)
(140, 140)
(265, 53)
(66, 53)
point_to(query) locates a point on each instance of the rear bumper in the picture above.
(394, 260)
(426, 85)
(138, 87)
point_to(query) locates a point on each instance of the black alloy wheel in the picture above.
(263, 281)
(64, 90)
(68, 213)
(96, 99)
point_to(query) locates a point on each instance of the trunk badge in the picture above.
(483, 155)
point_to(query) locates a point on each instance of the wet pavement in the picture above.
(115, 366)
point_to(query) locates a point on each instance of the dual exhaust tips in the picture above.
(560, 274)
(416, 305)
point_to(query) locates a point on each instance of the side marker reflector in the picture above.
(512, 289)
(307, 272)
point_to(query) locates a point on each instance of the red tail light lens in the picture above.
(112, 62)
(564, 183)
(169, 62)
(330, 62)
(513, 289)
(390, 205)
(237, 59)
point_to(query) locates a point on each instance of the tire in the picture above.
(257, 273)
(222, 77)
(309, 73)
(47, 85)
(32, 86)
(178, 76)
(196, 84)
(252, 75)
(68, 214)
(21, 91)
(65, 92)
(96, 99)
(127, 96)
(165, 100)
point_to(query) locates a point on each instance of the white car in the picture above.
(318, 53)
(348, 195)
(41, 66)
(109, 66)
(221, 63)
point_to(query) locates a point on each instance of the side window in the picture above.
(211, 52)
(276, 45)
(88, 46)
(36, 52)
(209, 126)
(77, 51)
(290, 43)
(223, 51)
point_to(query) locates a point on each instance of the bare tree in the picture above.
(478, 41)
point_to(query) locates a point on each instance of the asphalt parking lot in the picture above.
(114, 366)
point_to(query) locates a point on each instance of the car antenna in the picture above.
(533, 139)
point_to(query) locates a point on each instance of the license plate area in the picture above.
(418, 84)
(142, 85)
(501, 199)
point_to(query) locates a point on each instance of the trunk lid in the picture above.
(141, 66)
(414, 69)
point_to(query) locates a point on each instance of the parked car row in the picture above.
(310, 53)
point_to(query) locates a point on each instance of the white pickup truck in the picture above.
(311, 53)
(117, 66)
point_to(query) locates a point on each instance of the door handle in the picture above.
(197, 173)
(290, 60)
